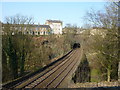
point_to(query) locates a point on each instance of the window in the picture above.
(2, 27)
(44, 32)
(33, 33)
(24, 28)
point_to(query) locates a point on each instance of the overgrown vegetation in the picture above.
(103, 48)
(83, 73)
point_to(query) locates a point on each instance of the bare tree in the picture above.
(107, 47)
(15, 46)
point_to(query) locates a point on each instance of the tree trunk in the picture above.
(108, 75)
(22, 65)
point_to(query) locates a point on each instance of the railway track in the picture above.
(53, 76)
(57, 77)
(32, 81)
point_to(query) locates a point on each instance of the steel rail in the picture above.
(56, 85)
(71, 60)
(65, 76)
(56, 68)
(64, 59)
(59, 74)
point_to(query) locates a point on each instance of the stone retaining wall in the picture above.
(95, 84)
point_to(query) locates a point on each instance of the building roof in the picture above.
(43, 26)
(31, 25)
(55, 21)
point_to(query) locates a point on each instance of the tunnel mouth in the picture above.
(76, 45)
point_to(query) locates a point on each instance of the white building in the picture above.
(55, 25)
(41, 30)
(101, 32)
(28, 29)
